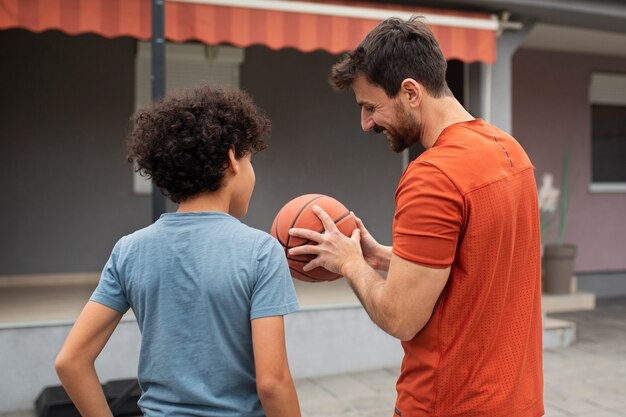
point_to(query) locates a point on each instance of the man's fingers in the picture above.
(305, 250)
(329, 224)
(359, 222)
(306, 234)
(311, 265)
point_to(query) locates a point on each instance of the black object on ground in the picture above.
(122, 396)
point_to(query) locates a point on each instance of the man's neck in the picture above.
(442, 112)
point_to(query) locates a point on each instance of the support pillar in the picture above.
(490, 89)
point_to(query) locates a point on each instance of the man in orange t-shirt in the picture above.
(462, 289)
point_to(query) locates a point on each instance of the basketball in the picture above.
(298, 213)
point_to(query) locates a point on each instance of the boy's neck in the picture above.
(210, 202)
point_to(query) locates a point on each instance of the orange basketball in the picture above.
(297, 213)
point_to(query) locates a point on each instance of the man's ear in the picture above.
(233, 164)
(411, 91)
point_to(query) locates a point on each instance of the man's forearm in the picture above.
(369, 288)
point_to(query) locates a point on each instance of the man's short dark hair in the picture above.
(394, 50)
(182, 142)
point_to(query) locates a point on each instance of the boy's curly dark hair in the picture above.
(182, 142)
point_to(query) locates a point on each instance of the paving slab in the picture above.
(587, 379)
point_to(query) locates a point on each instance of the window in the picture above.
(608, 132)
(186, 65)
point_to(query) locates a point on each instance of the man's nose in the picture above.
(366, 120)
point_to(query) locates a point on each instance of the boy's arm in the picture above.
(75, 362)
(273, 378)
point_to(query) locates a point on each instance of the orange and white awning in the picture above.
(333, 26)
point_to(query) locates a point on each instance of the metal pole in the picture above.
(158, 84)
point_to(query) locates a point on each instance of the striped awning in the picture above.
(332, 26)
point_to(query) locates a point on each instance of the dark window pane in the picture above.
(608, 128)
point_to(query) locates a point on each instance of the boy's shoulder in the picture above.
(208, 223)
(260, 238)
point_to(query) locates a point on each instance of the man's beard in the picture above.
(405, 132)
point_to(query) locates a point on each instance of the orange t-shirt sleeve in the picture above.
(428, 217)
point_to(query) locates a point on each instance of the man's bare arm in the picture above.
(400, 304)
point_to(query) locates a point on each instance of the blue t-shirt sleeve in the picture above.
(110, 291)
(273, 293)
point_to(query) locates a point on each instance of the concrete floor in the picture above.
(587, 379)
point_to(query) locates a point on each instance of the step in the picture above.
(561, 303)
(558, 333)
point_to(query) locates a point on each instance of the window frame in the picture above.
(226, 60)
(607, 89)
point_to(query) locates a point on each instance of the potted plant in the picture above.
(558, 258)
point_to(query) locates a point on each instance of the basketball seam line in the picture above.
(309, 240)
(322, 231)
(306, 275)
(286, 246)
(276, 231)
(298, 260)
(298, 215)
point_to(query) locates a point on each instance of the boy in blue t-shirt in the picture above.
(209, 293)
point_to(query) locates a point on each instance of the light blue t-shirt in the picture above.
(194, 282)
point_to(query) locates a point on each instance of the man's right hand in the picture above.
(376, 255)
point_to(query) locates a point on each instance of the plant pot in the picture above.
(558, 266)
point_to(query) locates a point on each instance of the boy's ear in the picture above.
(233, 164)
